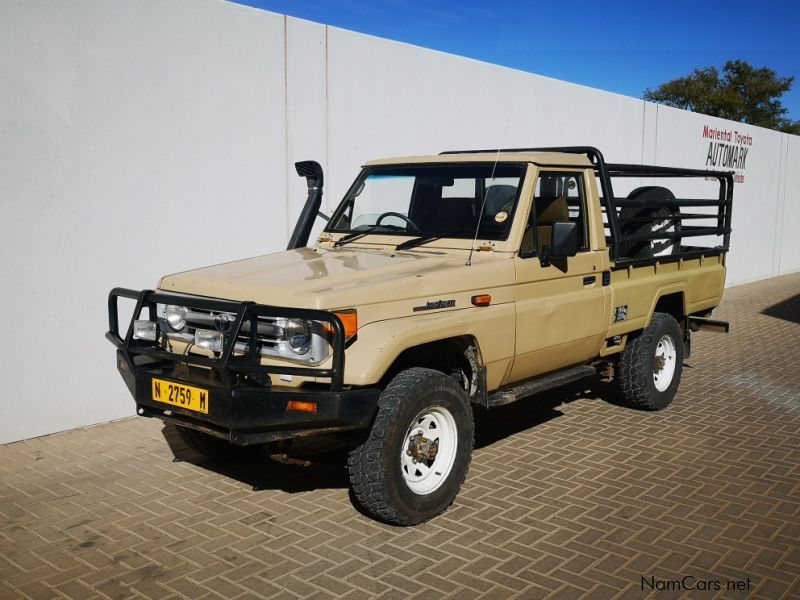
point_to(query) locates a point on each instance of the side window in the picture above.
(559, 196)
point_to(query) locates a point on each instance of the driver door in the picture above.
(560, 306)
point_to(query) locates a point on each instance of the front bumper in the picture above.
(244, 406)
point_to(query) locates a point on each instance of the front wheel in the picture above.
(411, 466)
(650, 367)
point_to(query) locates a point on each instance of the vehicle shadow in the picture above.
(493, 425)
(496, 424)
(788, 310)
(323, 459)
(320, 462)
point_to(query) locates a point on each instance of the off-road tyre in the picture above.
(634, 377)
(207, 445)
(375, 466)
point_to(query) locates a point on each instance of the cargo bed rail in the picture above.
(630, 231)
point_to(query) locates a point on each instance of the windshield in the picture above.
(432, 200)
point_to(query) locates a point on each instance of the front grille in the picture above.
(268, 330)
(324, 328)
(270, 338)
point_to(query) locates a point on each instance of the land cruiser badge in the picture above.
(436, 304)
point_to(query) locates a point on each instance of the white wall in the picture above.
(135, 138)
(141, 138)
(757, 202)
(788, 252)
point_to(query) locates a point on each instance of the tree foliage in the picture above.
(739, 92)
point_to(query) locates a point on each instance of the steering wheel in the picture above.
(410, 224)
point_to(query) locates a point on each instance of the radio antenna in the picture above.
(480, 213)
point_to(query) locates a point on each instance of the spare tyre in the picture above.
(651, 216)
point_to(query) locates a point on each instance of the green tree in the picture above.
(739, 92)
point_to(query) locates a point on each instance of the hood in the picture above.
(339, 278)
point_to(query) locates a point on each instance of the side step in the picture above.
(530, 387)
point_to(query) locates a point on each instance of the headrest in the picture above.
(551, 210)
(548, 186)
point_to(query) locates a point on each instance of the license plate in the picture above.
(184, 396)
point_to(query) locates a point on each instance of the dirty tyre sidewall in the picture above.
(375, 467)
(635, 371)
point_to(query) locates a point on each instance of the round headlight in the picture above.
(175, 316)
(298, 335)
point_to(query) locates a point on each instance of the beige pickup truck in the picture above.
(439, 282)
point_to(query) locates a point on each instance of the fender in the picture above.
(675, 288)
(381, 342)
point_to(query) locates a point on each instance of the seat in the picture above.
(456, 213)
(424, 210)
(498, 198)
(548, 211)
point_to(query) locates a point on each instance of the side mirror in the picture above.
(565, 239)
(565, 242)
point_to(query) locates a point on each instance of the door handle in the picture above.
(589, 279)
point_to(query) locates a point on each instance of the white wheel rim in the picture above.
(664, 363)
(426, 476)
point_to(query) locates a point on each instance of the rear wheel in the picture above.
(411, 466)
(650, 367)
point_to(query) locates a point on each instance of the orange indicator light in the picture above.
(482, 300)
(300, 406)
(349, 319)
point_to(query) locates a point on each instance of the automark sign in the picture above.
(727, 149)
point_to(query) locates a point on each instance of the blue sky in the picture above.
(624, 46)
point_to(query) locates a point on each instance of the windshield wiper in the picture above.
(418, 241)
(424, 239)
(351, 237)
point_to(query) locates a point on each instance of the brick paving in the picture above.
(569, 496)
